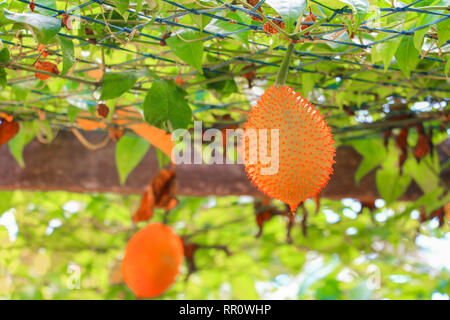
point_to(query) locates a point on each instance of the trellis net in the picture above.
(369, 66)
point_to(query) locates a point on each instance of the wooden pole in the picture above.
(65, 164)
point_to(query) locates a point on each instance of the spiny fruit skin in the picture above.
(152, 260)
(305, 149)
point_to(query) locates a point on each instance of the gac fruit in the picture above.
(152, 260)
(305, 151)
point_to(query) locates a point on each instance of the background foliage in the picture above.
(346, 255)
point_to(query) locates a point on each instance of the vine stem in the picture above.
(284, 68)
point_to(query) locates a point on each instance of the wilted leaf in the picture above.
(423, 146)
(145, 210)
(157, 137)
(160, 193)
(102, 110)
(47, 67)
(8, 129)
(88, 124)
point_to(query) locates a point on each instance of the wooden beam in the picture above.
(65, 164)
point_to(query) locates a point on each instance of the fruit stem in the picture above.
(284, 68)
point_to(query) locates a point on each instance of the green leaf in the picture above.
(26, 133)
(72, 112)
(421, 172)
(407, 55)
(129, 152)
(123, 6)
(443, 31)
(3, 80)
(190, 52)
(4, 55)
(223, 88)
(165, 101)
(373, 153)
(385, 50)
(43, 27)
(200, 20)
(391, 184)
(219, 26)
(68, 53)
(117, 83)
(46, 3)
(289, 10)
(21, 91)
(419, 35)
(308, 82)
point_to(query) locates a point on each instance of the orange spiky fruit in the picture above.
(152, 260)
(305, 150)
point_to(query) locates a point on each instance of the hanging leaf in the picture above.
(373, 155)
(289, 10)
(129, 152)
(43, 27)
(123, 6)
(391, 184)
(4, 55)
(166, 101)
(407, 55)
(419, 35)
(68, 53)
(443, 31)
(187, 49)
(27, 132)
(423, 175)
(3, 80)
(384, 51)
(117, 83)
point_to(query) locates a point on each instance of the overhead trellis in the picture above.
(369, 66)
